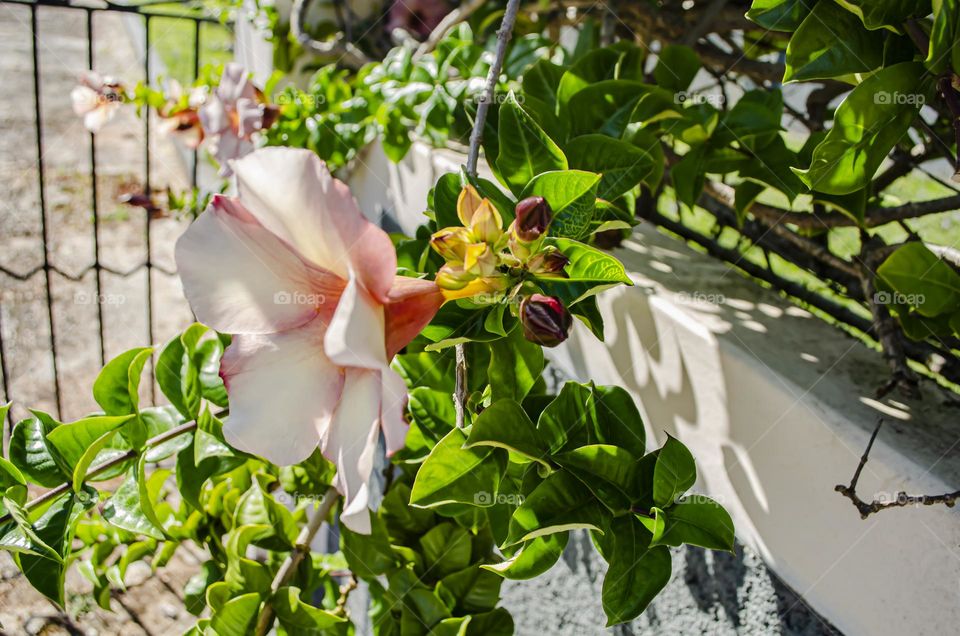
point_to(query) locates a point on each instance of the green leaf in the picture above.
(945, 38)
(674, 472)
(369, 555)
(558, 504)
(621, 165)
(584, 414)
(924, 281)
(877, 14)
(504, 424)
(127, 508)
(533, 559)
(55, 526)
(117, 387)
(817, 52)
(21, 537)
(80, 442)
(571, 194)
(446, 549)
(608, 107)
(700, 521)
(689, 175)
(779, 15)
(236, 616)
(473, 589)
(525, 150)
(637, 572)
(194, 592)
(676, 67)
(34, 455)
(256, 507)
(297, 617)
(515, 365)
(589, 272)
(244, 574)
(453, 474)
(866, 126)
(606, 470)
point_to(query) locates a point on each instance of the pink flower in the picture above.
(96, 99)
(180, 115)
(232, 114)
(309, 288)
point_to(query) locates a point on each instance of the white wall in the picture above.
(776, 406)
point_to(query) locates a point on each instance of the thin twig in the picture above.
(901, 500)
(473, 156)
(300, 549)
(103, 466)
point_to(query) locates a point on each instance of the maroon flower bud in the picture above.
(545, 320)
(533, 218)
(548, 264)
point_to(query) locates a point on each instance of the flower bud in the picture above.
(453, 278)
(533, 218)
(545, 320)
(450, 243)
(548, 263)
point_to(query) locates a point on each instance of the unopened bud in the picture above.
(548, 263)
(545, 320)
(450, 243)
(533, 218)
(453, 278)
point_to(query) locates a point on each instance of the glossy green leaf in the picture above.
(606, 470)
(515, 365)
(779, 15)
(446, 548)
(80, 442)
(589, 272)
(533, 559)
(558, 504)
(816, 51)
(525, 149)
(505, 424)
(621, 165)
(923, 280)
(453, 474)
(298, 617)
(944, 51)
(583, 414)
(571, 195)
(236, 616)
(117, 387)
(674, 473)
(34, 455)
(700, 521)
(128, 510)
(676, 67)
(636, 574)
(869, 122)
(877, 14)
(473, 588)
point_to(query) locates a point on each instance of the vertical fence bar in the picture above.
(196, 74)
(43, 204)
(94, 207)
(147, 188)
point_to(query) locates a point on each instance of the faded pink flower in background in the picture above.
(419, 17)
(180, 115)
(309, 289)
(96, 98)
(232, 115)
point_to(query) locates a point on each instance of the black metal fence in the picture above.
(147, 10)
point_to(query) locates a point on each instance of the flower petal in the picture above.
(355, 337)
(392, 407)
(283, 392)
(239, 278)
(294, 196)
(234, 84)
(411, 305)
(353, 444)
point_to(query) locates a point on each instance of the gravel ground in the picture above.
(709, 593)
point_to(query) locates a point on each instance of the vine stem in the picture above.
(473, 156)
(53, 493)
(300, 549)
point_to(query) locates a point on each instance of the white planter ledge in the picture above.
(777, 407)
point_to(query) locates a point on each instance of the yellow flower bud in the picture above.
(450, 243)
